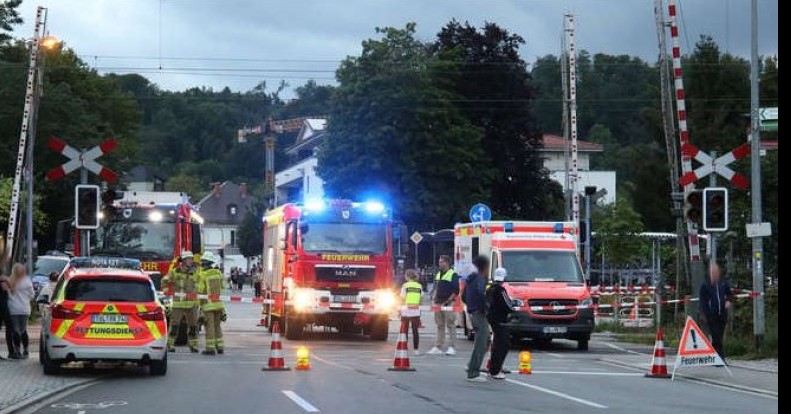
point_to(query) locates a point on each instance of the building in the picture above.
(554, 156)
(222, 211)
(143, 178)
(298, 181)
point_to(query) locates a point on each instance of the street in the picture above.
(349, 375)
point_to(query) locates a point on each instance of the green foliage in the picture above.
(39, 217)
(9, 16)
(187, 184)
(617, 230)
(248, 235)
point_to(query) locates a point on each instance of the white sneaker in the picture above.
(450, 351)
(416, 353)
(434, 351)
(499, 376)
(479, 378)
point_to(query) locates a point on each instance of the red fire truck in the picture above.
(329, 263)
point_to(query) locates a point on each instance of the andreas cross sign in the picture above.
(84, 159)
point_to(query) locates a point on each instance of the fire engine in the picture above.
(329, 263)
(543, 271)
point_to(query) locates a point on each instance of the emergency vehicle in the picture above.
(103, 309)
(329, 263)
(543, 271)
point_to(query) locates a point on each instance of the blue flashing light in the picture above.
(315, 205)
(508, 227)
(558, 228)
(374, 207)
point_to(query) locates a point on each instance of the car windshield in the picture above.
(107, 289)
(344, 238)
(45, 266)
(140, 239)
(542, 266)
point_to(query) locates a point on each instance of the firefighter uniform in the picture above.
(210, 283)
(182, 283)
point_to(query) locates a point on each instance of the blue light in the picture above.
(374, 207)
(315, 205)
(558, 228)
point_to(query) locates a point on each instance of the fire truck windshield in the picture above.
(541, 266)
(137, 238)
(360, 238)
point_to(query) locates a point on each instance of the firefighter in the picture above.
(210, 283)
(181, 283)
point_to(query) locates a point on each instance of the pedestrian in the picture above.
(715, 300)
(411, 293)
(498, 308)
(240, 279)
(474, 297)
(210, 283)
(5, 317)
(446, 289)
(19, 298)
(259, 277)
(181, 283)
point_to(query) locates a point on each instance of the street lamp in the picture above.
(50, 42)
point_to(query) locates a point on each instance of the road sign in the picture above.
(416, 238)
(758, 230)
(694, 349)
(84, 159)
(768, 114)
(480, 212)
(717, 165)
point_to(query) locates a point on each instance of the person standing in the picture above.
(715, 300)
(474, 297)
(258, 278)
(210, 283)
(19, 298)
(5, 317)
(446, 288)
(182, 284)
(411, 293)
(498, 307)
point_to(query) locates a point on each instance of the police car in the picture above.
(103, 309)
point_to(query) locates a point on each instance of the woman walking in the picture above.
(19, 298)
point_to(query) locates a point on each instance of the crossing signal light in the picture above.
(693, 206)
(715, 209)
(86, 207)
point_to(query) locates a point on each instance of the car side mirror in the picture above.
(42, 299)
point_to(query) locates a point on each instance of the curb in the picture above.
(30, 401)
(760, 391)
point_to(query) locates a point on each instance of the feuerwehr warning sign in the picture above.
(694, 349)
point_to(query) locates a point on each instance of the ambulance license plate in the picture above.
(555, 329)
(344, 298)
(109, 318)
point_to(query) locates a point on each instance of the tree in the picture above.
(9, 16)
(249, 237)
(617, 229)
(395, 132)
(497, 96)
(187, 184)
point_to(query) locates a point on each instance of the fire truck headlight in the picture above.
(386, 299)
(374, 207)
(155, 216)
(303, 299)
(315, 205)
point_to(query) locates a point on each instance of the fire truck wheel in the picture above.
(379, 328)
(293, 329)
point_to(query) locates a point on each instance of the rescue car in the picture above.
(103, 309)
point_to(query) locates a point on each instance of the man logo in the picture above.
(127, 213)
(345, 214)
(554, 303)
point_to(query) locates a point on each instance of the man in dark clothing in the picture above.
(446, 288)
(498, 307)
(474, 298)
(5, 316)
(715, 300)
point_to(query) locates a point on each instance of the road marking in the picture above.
(557, 394)
(616, 347)
(554, 355)
(612, 374)
(300, 401)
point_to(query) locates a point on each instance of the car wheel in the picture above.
(159, 367)
(380, 327)
(293, 329)
(51, 367)
(582, 344)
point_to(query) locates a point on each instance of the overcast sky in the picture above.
(238, 43)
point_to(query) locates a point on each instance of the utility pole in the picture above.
(757, 214)
(566, 138)
(571, 51)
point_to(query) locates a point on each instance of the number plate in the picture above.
(109, 318)
(555, 329)
(344, 298)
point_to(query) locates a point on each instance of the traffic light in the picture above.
(715, 209)
(693, 206)
(86, 206)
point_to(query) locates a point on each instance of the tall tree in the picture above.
(496, 96)
(249, 238)
(394, 130)
(9, 17)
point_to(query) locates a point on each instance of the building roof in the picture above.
(141, 173)
(219, 205)
(553, 143)
(309, 136)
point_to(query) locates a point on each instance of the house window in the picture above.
(233, 238)
(232, 209)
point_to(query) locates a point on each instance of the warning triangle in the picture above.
(694, 341)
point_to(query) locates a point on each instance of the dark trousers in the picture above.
(501, 343)
(716, 324)
(415, 322)
(5, 321)
(257, 287)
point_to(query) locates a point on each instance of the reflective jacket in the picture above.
(179, 283)
(210, 283)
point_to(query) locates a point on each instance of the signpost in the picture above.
(695, 350)
(767, 118)
(480, 212)
(416, 238)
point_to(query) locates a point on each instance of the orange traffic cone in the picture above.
(634, 313)
(658, 363)
(276, 361)
(401, 360)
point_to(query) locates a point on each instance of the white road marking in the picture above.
(300, 401)
(554, 355)
(616, 347)
(557, 394)
(612, 374)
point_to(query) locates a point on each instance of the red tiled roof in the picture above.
(555, 143)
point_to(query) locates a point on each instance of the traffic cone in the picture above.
(401, 359)
(262, 321)
(658, 363)
(276, 361)
(633, 314)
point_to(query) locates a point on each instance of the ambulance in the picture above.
(544, 273)
(103, 309)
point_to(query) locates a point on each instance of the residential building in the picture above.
(554, 155)
(298, 180)
(222, 211)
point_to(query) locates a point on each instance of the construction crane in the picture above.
(270, 130)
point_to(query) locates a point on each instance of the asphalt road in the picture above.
(349, 375)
